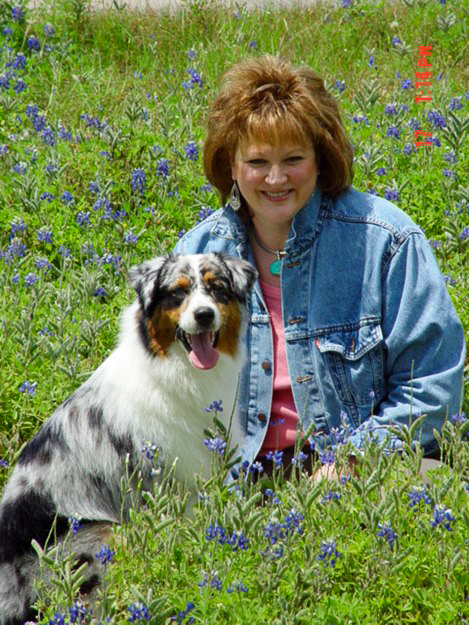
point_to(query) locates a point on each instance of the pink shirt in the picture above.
(281, 431)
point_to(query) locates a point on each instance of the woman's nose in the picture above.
(276, 175)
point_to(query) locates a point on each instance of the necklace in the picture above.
(276, 265)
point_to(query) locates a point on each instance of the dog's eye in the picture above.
(218, 287)
(179, 292)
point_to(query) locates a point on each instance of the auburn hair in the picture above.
(267, 100)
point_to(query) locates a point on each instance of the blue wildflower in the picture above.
(31, 279)
(437, 119)
(386, 531)
(45, 234)
(29, 388)
(391, 109)
(34, 43)
(407, 84)
(396, 40)
(217, 445)
(328, 457)
(83, 218)
(139, 181)
(340, 85)
(417, 495)
(48, 136)
(460, 417)
(443, 516)
(149, 450)
(331, 496)
(382, 171)
(394, 131)
(192, 151)
(329, 553)
(393, 195)
(17, 13)
(163, 168)
(4, 464)
(67, 198)
(131, 237)
(215, 406)
(100, 292)
(105, 554)
(75, 523)
(139, 612)
(456, 104)
(276, 456)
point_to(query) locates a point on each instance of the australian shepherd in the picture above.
(181, 348)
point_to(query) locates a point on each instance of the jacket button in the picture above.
(262, 417)
(266, 365)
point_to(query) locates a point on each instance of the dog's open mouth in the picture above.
(201, 348)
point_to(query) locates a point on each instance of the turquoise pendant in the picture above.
(276, 267)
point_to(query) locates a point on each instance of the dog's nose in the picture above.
(204, 315)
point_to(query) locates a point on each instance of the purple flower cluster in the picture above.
(223, 537)
(105, 554)
(182, 615)
(417, 495)
(276, 531)
(139, 612)
(329, 553)
(217, 445)
(386, 531)
(443, 516)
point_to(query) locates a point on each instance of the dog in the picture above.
(181, 347)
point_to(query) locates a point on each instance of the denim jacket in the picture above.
(372, 336)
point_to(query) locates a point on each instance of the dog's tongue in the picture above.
(203, 354)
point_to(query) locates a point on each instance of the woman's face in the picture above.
(275, 181)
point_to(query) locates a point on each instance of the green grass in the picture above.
(128, 70)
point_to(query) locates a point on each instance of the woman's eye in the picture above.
(294, 159)
(256, 162)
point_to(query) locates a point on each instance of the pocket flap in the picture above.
(351, 344)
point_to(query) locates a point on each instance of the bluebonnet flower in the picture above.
(276, 456)
(83, 218)
(16, 277)
(253, 44)
(48, 136)
(382, 171)
(34, 43)
(49, 30)
(414, 123)
(347, 3)
(102, 204)
(237, 587)
(436, 141)
(372, 62)
(65, 251)
(391, 109)
(448, 173)
(396, 40)
(3, 149)
(418, 494)
(299, 459)
(181, 233)
(7, 31)
(52, 170)
(204, 212)
(329, 553)
(75, 523)
(105, 554)
(94, 186)
(139, 612)
(16, 248)
(451, 157)
(407, 84)
(29, 388)
(443, 516)
(206, 187)
(67, 198)
(17, 13)
(437, 119)
(18, 227)
(31, 279)
(460, 417)
(20, 86)
(131, 237)
(217, 445)
(386, 531)
(340, 85)
(100, 292)
(449, 279)
(4, 464)
(182, 615)
(215, 582)
(192, 151)
(328, 457)
(456, 104)
(20, 168)
(394, 131)
(195, 80)
(191, 54)
(256, 466)
(331, 496)
(215, 406)
(163, 168)
(5, 81)
(19, 62)
(43, 264)
(45, 234)
(464, 234)
(235, 541)
(149, 450)
(393, 195)
(361, 119)
(139, 181)
(435, 243)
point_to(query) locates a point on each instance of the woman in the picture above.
(351, 321)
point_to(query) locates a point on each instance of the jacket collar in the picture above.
(305, 226)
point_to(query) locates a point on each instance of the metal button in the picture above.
(262, 417)
(266, 365)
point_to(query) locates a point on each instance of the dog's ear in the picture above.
(143, 277)
(243, 275)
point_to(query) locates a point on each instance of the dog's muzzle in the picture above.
(201, 346)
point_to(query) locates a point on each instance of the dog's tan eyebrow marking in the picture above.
(210, 276)
(183, 282)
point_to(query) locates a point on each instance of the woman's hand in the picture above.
(331, 472)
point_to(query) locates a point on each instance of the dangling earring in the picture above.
(235, 197)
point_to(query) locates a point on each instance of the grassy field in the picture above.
(101, 131)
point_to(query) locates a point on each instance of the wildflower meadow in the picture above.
(101, 133)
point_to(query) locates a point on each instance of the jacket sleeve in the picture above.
(424, 348)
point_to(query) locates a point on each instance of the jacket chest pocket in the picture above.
(354, 360)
